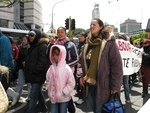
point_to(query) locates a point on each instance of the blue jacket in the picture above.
(6, 58)
(72, 54)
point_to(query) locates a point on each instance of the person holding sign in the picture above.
(127, 92)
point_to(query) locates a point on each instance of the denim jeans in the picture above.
(36, 95)
(91, 99)
(21, 82)
(59, 107)
(126, 87)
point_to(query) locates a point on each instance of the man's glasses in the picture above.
(31, 35)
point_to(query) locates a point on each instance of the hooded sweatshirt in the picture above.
(60, 81)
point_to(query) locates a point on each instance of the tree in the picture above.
(139, 37)
(10, 3)
(77, 31)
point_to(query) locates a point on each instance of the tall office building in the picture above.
(33, 14)
(22, 15)
(95, 11)
(130, 25)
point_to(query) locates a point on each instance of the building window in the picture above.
(21, 11)
(4, 23)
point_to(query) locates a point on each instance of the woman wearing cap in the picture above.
(101, 64)
(36, 65)
(79, 89)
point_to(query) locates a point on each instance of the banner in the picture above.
(131, 57)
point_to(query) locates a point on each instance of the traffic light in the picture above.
(73, 24)
(67, 23)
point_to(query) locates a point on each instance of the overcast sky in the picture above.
(111, 11)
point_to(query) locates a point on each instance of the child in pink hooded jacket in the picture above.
(60, 80)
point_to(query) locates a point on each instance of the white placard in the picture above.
(131, 57)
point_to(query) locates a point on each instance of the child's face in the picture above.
(24, 40)
(55, 56)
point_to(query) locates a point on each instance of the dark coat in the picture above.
(109, 71)
(36, 63)
(22, 55)
(146, 56)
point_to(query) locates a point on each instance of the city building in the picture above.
(129, 26)
(148, 28)
(136, 32)
(95, 11)
(22, 15)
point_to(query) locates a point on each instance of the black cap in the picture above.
(32, 33)
(122, 36)
(83, 34)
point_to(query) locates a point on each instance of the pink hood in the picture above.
(60, 80)
(62, 55)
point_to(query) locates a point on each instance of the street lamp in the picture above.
(52, 26)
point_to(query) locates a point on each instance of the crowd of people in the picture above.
(93, 68)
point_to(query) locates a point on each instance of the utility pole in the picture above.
(52, 25)
(70, 30)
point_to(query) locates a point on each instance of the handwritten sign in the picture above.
(131, 57)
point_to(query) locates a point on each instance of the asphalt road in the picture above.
(134, 107)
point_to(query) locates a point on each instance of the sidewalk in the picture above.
(136, 99)
(145, 108)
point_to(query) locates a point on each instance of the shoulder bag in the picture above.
(4, 103)
(114, 105)
(3, 100)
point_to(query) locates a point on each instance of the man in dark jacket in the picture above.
(35, 70)
(145, 67)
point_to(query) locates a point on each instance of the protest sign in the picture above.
(131, 56)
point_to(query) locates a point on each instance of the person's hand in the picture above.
(113, 91)
(81, 80)
(23, 63)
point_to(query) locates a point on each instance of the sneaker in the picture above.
(15, 99)
(27, 99)
(80, 101)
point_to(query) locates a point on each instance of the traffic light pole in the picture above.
(70, 24)
(70, 30)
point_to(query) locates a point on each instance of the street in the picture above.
(134, 107)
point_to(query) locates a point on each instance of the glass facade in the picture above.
(4, 23)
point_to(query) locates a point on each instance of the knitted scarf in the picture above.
(63, 41)
(92, 71)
